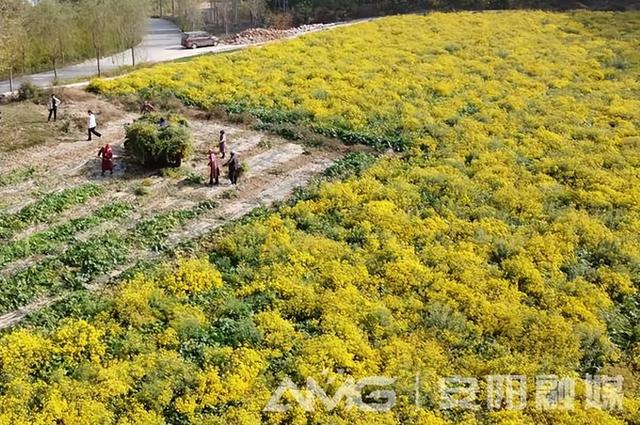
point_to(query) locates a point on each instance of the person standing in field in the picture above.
(222, 144)
(53, 107)
(147, 107)
(234, 167)
(214, 168)
(92, 126)
(106, 154)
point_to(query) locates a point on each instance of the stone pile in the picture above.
(260, 35)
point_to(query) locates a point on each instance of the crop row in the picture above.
(17, 176)
(85, 261)
(48, 241)
(46, 207)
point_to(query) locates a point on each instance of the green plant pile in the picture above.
(159, 146)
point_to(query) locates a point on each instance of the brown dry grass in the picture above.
(23, 125)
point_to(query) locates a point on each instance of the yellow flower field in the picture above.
(503, 242)
(513, 76)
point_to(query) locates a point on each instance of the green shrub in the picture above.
(619, 62)
(352, 165)
(141, 190)
(162, 98)
(173, 173)
(159, 146)
(17, 176)
(194, 178)
(28, 91)
(244, 169)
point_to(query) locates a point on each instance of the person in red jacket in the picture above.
(106, 154)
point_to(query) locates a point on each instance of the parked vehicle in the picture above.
(193, 40)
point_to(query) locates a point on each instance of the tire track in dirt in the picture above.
(16, 316)
(20, 264)
(262, 196)
(80, 210)
(63, 167)
(17, 195)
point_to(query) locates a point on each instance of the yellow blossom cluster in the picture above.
(504, 242)
(512, 77)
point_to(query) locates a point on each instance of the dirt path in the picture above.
(276, 168)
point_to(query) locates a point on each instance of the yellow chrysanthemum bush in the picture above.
(190, 277)
(395, 80)
(503, 242)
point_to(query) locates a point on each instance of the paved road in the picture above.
(161, 43)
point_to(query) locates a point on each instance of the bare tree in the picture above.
(158, 4)
(213, 12)
(189, 14)
(257, 9)
(225, 12)
(236, 5)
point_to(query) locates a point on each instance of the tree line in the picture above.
(308, 11)
(215, 15)
(187, 14)
(53, 33)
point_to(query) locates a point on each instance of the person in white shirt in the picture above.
(53, 107)
(92, 126)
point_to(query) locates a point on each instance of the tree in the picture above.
(257, 9)
(189, 14)
(95, 16)
(225, 12)
(50, 24)
(12, 13)
(236, 6)
(130, 30)
(48, 32)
